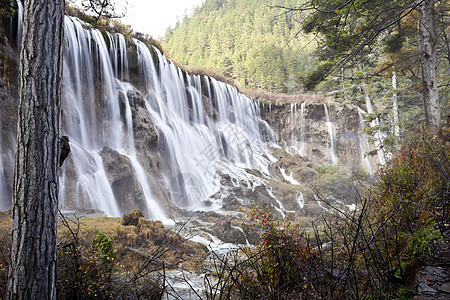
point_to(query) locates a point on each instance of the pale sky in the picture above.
(154, 16)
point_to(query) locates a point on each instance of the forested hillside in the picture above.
(371, 60)
(248, 40)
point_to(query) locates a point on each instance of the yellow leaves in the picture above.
(336, 11)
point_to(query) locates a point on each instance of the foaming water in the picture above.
(332, 138)
(199, 143)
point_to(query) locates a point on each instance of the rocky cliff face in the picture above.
(146, 135)
(321, 130)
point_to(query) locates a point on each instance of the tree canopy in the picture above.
(248, 40)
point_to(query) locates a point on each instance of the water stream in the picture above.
(364, 146)
(302, 151)
(331, 135)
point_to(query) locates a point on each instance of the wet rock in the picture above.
(124, 183)
(423, 288)
(146, 135)
(434, 273)
(314, 134)
(445, 287)
(135, 99)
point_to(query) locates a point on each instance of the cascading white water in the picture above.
(91, 130)
(193, 144)
(300, 200)
(197, 144)
(5, 156)
(19, 22)
(331, 135)
(364, 146)
(302, 151)
(289, 178)
(293, 126)
(4, 201)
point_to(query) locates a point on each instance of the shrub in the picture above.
(276, 267)
(103, 248)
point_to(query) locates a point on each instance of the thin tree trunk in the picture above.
(429, 67)
(378, 136)
(395, 105)
(32, 273)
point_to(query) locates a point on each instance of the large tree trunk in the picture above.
(32, 273)
(429, 67)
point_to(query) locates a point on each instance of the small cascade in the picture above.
(289, 178)
(300, 200)
(294, 126)
(123, 58)
(3, 195)
(302, 129)
(379, 139)
(19, 22)
(247, 243)
(331, 135)
(93, 190)
(364, 146)
(6, 159)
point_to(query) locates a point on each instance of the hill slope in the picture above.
(247, 40)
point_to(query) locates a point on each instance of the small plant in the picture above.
(326, 169)
(422, 241)
(103, 248)
(403, 293)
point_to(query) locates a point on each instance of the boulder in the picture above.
(132, 218)
(124, 182)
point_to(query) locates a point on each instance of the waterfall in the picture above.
(289, 178)
(3, 195)
(300, 200)
(204, 126)
(293, 126)
(19, 22)
(88, 65)
(294, 147)
(331, 136)
(302, 129)
(197, 144)
(364, 146)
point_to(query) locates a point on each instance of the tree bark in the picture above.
(32, 272)
(429, 67)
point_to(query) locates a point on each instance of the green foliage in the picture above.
(80, 274)
(403, 293)
(104, 250)
(415, 179)
(422, 241)
(325, 169)
(8, 8)
(258, 46)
